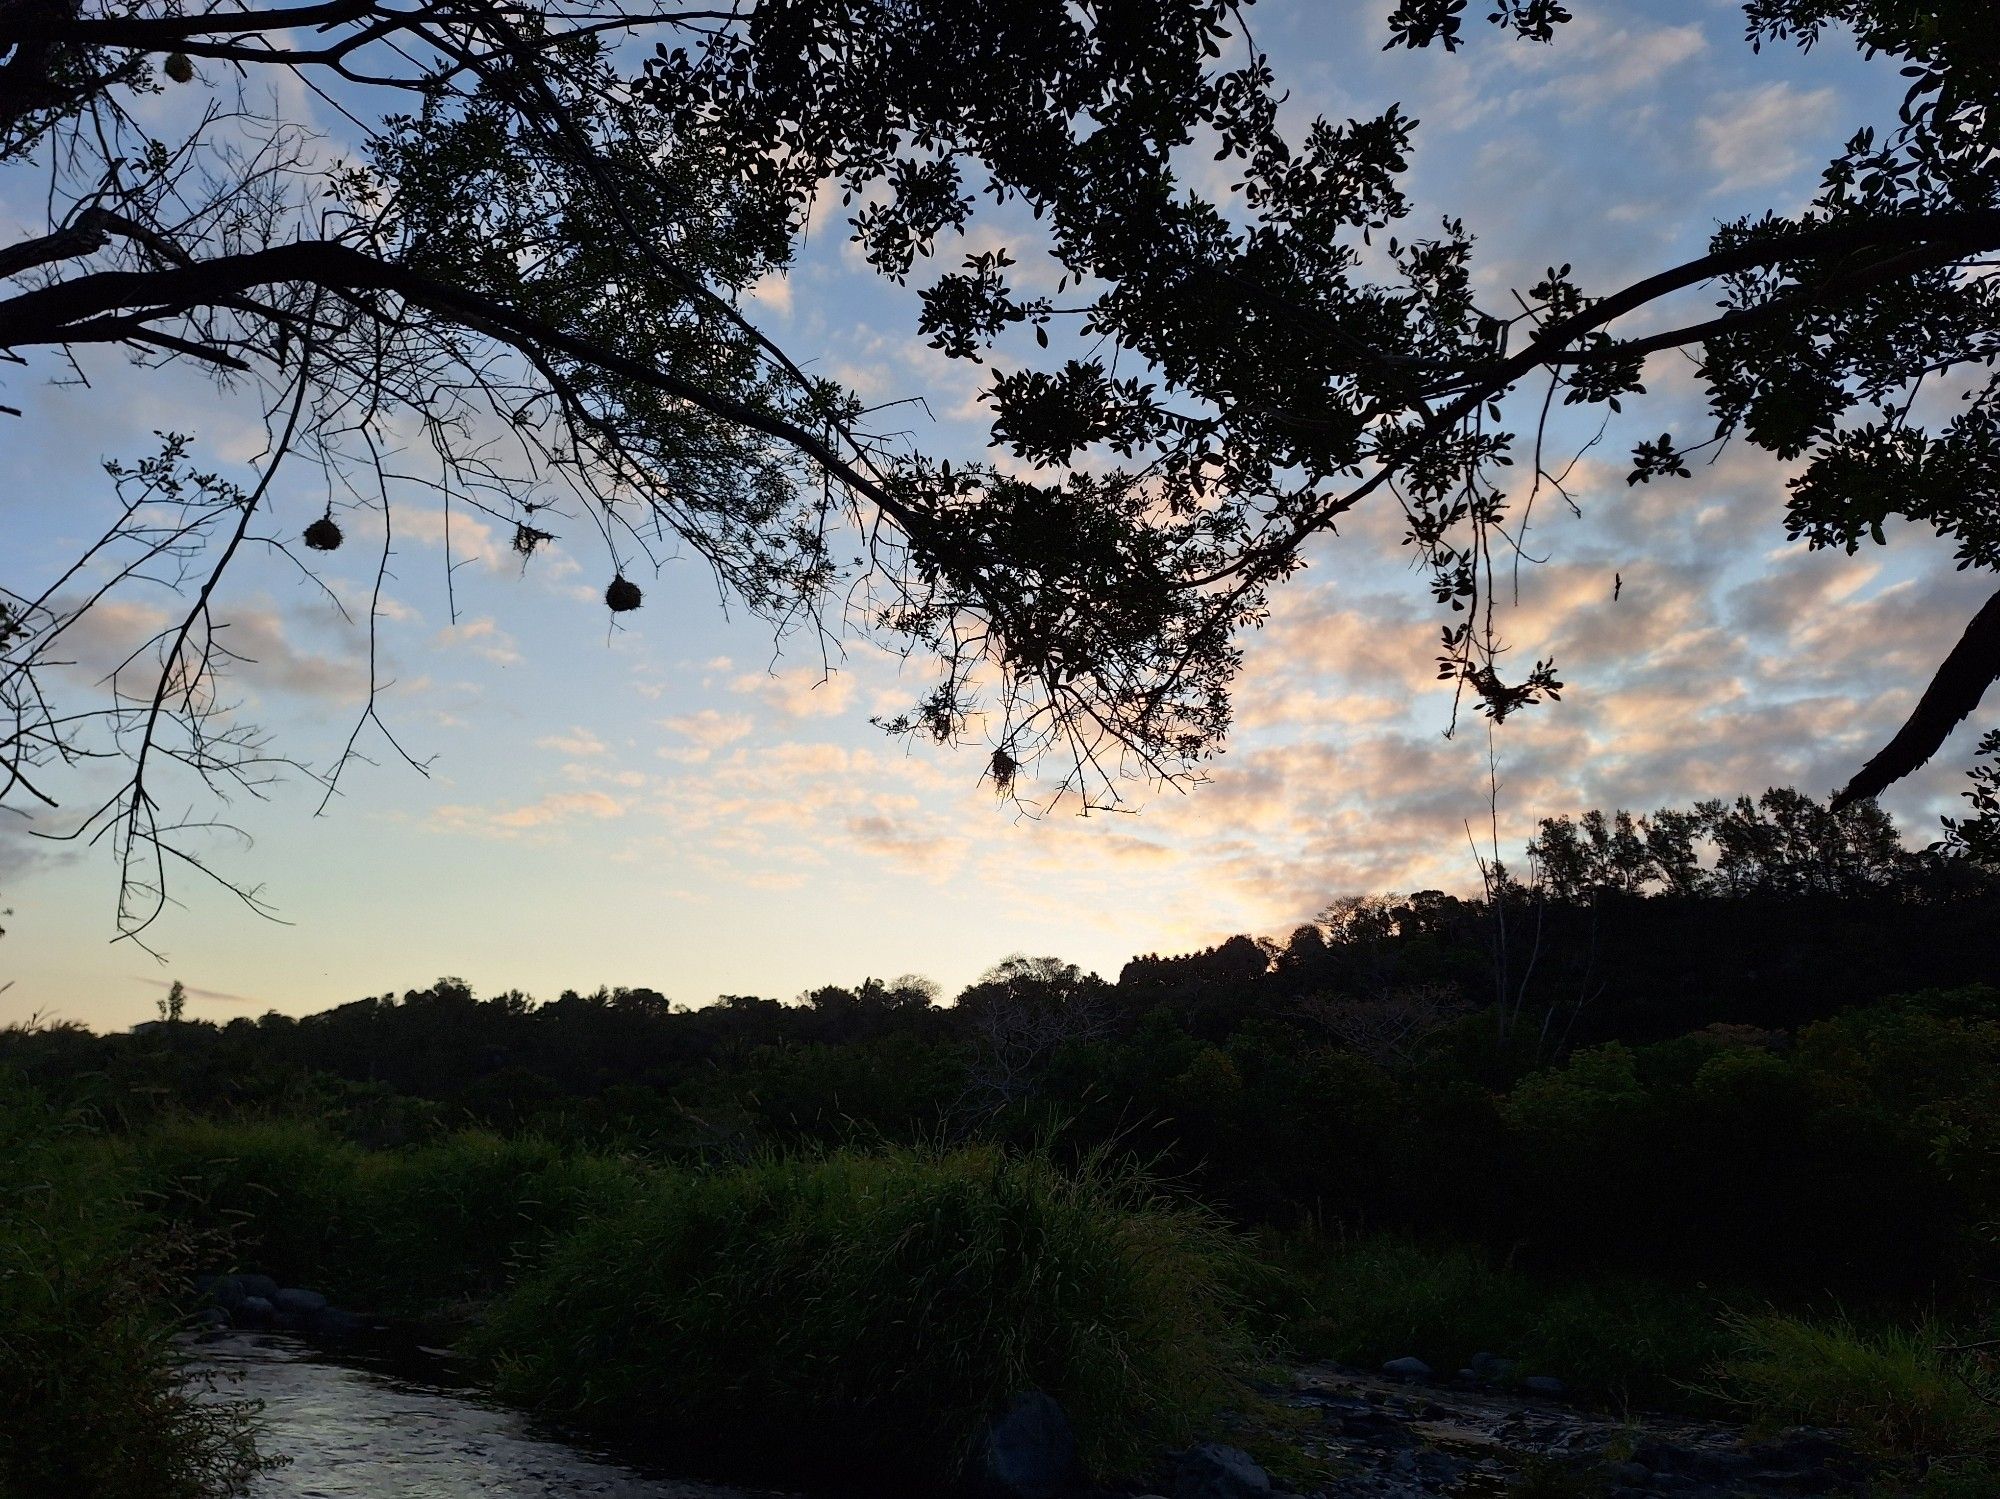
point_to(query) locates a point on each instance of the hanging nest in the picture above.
(527, 538)
(323, 535)
(178, 68)
(1003, 769)
(623, 596)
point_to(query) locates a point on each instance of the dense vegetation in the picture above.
(90, 1400)
(1704, 1110)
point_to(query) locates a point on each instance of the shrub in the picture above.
(867, 1313)
(92, 1398)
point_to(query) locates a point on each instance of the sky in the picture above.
(686, 804)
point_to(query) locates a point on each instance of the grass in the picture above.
(1619, 1340)
(412, 1231)
(1900, 1391)
(92, 1397)
(864, 1314)
(862, 1311)
(858, 1313)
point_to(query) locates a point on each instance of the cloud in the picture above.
(772, 290)
(258, 635)
(709, 729)
(799, 692)
(578, 741)
(1756, 137)
(555, 808)
(893, 839)
(482, 636)
(265, 638)
(467, 536)
(192, 992)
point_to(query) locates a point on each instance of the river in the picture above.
(382, 1433)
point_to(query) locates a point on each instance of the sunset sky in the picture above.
(681, 804)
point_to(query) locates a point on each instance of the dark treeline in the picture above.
(1753, 1041)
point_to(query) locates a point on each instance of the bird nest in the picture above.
(323, 535)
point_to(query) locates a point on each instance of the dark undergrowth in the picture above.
(867, 1312)
(92, 1398)
(874, 1310)
(1615, 1341)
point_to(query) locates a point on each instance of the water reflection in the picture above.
(366, 1432)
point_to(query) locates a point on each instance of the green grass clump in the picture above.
(283, 1195)
(866, 1313)
(459, 1218)
(92, 1398)
(1901, 1391)
(410, 1230)
(1620, 1339)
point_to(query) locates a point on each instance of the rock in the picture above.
(1029, 1450)
(1718, 1467)
(1798, 1449)
(294, 1302)
(332, 1322)
(1794, 1480)
(1407, 1368)
(1439, 1469)
(1651, 1452)
(1468, 1376)
(1544, 1384)
(211, 1317)
(1213, 1471)
(253, 1311)
(230, 1290)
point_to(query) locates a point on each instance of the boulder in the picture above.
(1544, 1384)
(332, 1322)
(294, 1302)
(211, 1318)
(230, 1290)
(253, 1311)
(1029, 1450)
(1709, 1465)
(1407, 1368)
(1213, 1471)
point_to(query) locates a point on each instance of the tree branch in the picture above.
(1954, 692)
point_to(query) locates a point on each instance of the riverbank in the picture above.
(871, 1320)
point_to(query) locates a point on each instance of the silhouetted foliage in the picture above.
(538, 245)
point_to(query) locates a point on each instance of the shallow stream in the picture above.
(399, 1430)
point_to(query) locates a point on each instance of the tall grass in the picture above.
(1614, 1338)
(866, 1314)
(407, 1230)
(92, 1398)
(1900, 1390)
